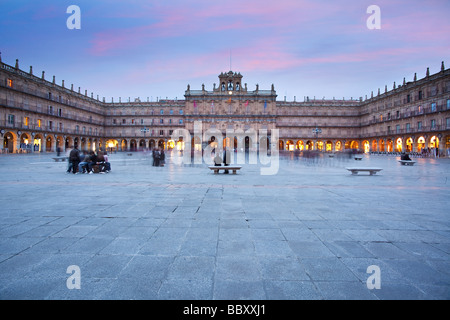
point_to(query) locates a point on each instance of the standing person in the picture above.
(74, 160)
(226, 159)
(156, 157)
(162, 158)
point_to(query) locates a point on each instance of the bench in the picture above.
(372, 171)
(57, 159)
(407, 162)
(229, 168)
(358, 157)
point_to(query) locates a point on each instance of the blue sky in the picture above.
(156, 48)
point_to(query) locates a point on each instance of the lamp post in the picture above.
(317, 131)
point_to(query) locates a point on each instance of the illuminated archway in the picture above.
(9, 141)
(434, 142)
(374, 145)
(329, 146)
(300, 145)
(420, 144)
(409, 145)
(399, 145)
(290, 145)
(112, 145)
(338, 146)
(309, 145)
(280, 145)
(319, 145)
(366, 146)
(382, 145)
(389, 145)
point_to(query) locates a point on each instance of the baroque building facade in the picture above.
(38, 115)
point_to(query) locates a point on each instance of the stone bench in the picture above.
(57, 159)
(372, 171)
(229, 168)
(407, 162)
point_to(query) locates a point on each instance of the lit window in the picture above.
(9, 83)
(39, 122)
(26, 121)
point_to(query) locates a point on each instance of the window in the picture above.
(420, 95)
(60, 126)
(408, 127)
(50, 125)
(50, 110)
(389, 129)
(433, 124)
(419, 125)
(133, 121)
(114, 121)
(124, 121)
(9, 83)
(419, 109)
(84, 130)
(161, 132)
(161, 121)
(389, 116)
(448, 123)
(398, 114)
(181, 111)
(170, 121)
(433, 107)
(408, 98)
(161, 111)
(10, 119)
(181, 121)
(39, 123)
(171, 112)
(170, 132)
(142, 121)
(448, 104)
(77, 129)
(26, 121)
(50, 95)
(397, 128)
(59, 112)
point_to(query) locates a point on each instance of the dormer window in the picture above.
(230, 85)
(238, 87)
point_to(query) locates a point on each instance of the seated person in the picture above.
(83, 165)
(405, 156)
(218, 161)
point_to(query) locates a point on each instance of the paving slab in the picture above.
(310, 231)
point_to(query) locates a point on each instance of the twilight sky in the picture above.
(155, 48)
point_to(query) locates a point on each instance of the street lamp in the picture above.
(145, 130)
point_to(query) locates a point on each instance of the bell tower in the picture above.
(230, 82)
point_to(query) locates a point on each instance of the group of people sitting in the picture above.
(88, 162)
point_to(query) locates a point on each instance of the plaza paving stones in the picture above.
(180, 232)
